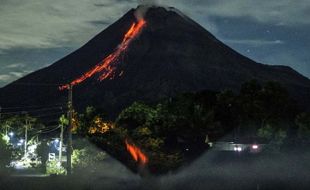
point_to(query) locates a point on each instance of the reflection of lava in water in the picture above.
(107, 66)
(136, 153)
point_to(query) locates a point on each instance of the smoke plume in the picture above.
(144, 5)
(149, 2)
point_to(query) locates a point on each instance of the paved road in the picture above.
(218, 171)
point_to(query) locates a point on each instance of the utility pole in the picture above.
(61, 140)
(69, 143)
(26, 138)
(6, 133)
(6, 128)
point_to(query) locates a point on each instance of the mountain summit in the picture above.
(170, 54)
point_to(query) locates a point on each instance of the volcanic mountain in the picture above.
(168, 54)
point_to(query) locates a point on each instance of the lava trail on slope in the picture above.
(136, 153)
(108, 65)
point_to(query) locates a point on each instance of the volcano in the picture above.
(170, 54)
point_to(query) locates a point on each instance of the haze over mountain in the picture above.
(172, 54)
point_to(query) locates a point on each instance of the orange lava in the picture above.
(136, 153)
(107, 66)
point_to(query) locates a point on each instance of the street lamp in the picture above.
(20, 142)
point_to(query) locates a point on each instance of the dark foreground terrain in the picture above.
(214, 170)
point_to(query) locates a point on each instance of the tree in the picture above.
(174, 130)
(87, 158)
(54, 167)
(265, 105)
(63, 120)
(138, 114)
(227, 111)
(17, 125)
(90, 119)
(5, 154)
(303, 123)
(250, 107)
(43, 151)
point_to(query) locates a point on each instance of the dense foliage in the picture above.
(176, 130)
(5, 155)
(173, 131)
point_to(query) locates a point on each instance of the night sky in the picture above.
(36, 33)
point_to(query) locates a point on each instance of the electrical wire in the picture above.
(45, 115)
(36, 110)
(50, 130)
(40, 117)
(37, 106)
(52, 120)
(36, 84)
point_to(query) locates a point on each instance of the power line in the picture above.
(37, 84)
(51, 130)
(42, 129)
(52, 120)
(38, 106)
(32, 111)
(46, 129)
(8, 116)
(45, 115)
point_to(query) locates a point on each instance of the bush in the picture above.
(54, 167)
(87, 158)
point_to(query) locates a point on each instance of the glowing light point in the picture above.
(237, 149)
(255, 147)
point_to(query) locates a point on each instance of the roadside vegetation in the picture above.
(171, 132)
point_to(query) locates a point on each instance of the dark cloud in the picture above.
(18, 62)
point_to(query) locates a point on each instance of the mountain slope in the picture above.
(172, 54)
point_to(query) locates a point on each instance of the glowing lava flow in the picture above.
(136, 153)
(107, 66)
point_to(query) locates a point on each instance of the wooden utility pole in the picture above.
(6, 133)
(69, 130)
(61, 141)
(6, 126)
(26, 138)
